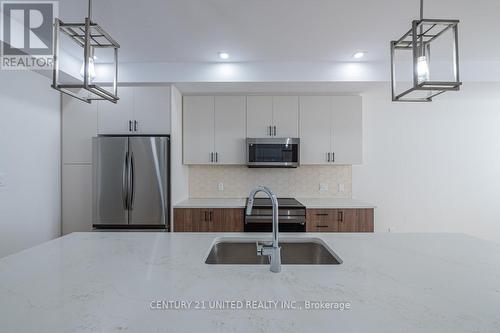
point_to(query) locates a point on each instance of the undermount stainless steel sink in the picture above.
(300, 251)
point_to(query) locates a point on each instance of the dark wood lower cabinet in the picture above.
(208, 220)
(232, 220)
(340, 220)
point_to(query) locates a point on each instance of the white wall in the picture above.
(159, 72)
(433, 167)
(29, 161)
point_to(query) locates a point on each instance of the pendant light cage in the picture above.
(418, 41)
(90, 37)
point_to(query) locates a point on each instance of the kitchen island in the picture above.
(158, 282)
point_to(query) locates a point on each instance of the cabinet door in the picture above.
(365, 220)
(190, 220)
(198, 131)
(233, 220)
(230, 129)
(315, 129)
(224, 220)
(259, 116)
(208, 220)
(322, 220)
(79, 125)
(347, 220)
(286, 116)
(347, 134)
(114, 118)
(152, 110)
(76, 198)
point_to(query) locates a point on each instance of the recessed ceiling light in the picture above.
(224, 55)
(359, 55)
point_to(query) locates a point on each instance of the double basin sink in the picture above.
(300, 251)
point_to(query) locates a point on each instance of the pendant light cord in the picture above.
(90, 10)
(421, 28)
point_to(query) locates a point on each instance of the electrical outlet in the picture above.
(2, 180)
(220, 187)
(323, 187)
(340, 188)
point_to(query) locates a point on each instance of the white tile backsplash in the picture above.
(205, 181)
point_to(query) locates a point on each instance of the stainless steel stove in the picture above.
(292, 216)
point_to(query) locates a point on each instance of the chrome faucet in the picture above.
(273, 250)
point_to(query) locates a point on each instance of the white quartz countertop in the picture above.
(108, 282)
(312, 203)
(212, 203)
(326, 203)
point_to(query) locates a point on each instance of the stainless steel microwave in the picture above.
(273, 152)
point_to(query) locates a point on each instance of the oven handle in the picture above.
(282, 219)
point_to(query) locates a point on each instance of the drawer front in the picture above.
(322, 220)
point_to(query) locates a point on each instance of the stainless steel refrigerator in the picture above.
(131, 187)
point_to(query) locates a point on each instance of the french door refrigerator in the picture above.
(131, 182)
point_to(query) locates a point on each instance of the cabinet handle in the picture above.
(322, 214)
(333, 157)
(216, 157)
(130, 125)
(205, 219)
(328, 157)
(135, 125)
(340, 217)
(321, 226)
(210, 216)
(212, 157)
(270, 131)
(275, 132)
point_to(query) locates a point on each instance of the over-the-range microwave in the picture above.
(273, 152)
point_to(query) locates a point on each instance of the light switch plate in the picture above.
(220, 187)
(340, 188)
(323, 187)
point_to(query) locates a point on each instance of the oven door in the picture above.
(273, 152)
(290, 220)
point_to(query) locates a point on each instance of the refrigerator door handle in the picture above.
(125, 182)
(131, 182)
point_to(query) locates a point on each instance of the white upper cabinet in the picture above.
(315, 129)
(329, 127)
(79, 125)
(117, 118)
(347, 138)
(140, 110)
(286, 116)
(331, 130)
(152, 110)
(272, 116)
(259, 116)
(214, 129)
(230, 130)
(198, 124)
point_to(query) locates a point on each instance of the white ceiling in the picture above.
(280, 30)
